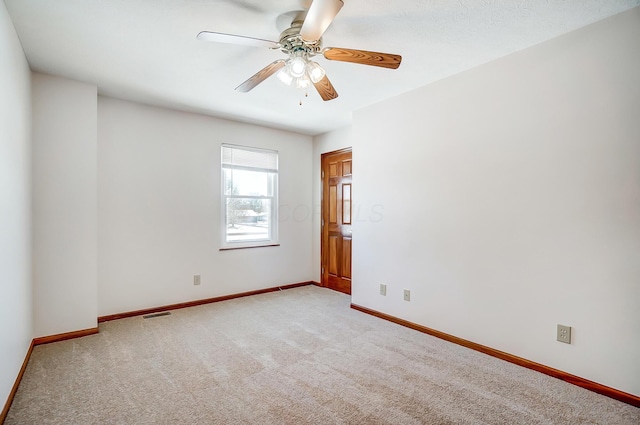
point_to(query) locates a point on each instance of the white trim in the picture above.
(272, 236)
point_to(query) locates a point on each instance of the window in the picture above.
(249, 197)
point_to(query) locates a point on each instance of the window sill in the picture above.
(233, 248)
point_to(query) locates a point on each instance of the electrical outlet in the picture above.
(564, 334)
(383, 289)
(407, 295)
(196, 279)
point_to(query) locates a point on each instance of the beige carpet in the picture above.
(299, 356)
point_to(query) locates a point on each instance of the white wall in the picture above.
(327, 142)
(159, 215)
(64, 205)
(15, 205)
(511, 203)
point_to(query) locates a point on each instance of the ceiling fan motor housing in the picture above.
(292, 43)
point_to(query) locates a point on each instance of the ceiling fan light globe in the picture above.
(315, 71)
(297, 67)
(302, 82)
(284, 77)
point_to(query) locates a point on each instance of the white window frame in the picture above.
(273, 218)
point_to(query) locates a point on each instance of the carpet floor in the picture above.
(299, 356)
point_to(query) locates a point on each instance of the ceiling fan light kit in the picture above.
(297, 66)
(316, 72)
(284, 77)
(303, 71)
(302, 82)
(301, 42)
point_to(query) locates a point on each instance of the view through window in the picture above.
(249, 196)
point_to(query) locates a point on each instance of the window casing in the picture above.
(249, 204)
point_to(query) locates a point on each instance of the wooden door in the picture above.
(337, 211)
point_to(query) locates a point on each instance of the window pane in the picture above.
(248, 219)
(249, 204)
(247, 183)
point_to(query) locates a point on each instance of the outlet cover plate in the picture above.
(383, 289)
(564, 334)
(196, 279)
(407, 295)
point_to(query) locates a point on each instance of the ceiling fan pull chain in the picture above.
(306, 94)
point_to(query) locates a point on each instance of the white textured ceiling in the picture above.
(146, 50)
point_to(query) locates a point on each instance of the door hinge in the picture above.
(322, 173)
(323, 270)
(323, 221)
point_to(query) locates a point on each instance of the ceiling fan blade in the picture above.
(363, 57)
(261, 75)
(236, 39)
(325, 89)
(319, 17)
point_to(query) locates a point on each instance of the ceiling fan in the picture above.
(301, 42)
